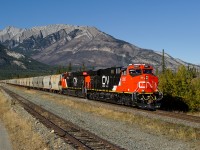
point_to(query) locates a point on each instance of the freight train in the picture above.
(135, 85)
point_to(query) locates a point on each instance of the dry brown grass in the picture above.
(19, 129)
(194, 114)
(154, 126)
(30, 91)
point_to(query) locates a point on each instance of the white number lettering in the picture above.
(75, 80)
(105, 81)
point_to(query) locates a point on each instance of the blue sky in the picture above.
(173, 25)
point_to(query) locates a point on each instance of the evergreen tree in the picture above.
(166, 82)
(181, 85)
(69, 67)
(83, 67)
(80, 68)
(157, 71)
(18, 76)
(60, 69)
(93, 67)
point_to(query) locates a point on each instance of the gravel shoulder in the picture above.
(128, 136)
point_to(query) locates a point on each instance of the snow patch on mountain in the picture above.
(20, 64)
(15, 55)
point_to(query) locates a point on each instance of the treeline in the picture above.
(14, 72)
(21, 73)
(71, 68)
(181, 89)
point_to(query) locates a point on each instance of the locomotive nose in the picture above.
(148, 82)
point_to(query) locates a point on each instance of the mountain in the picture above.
(13, 64)
(61, 44)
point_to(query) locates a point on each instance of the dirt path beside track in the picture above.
(5, 143)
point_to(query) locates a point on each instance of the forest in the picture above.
(181, 89)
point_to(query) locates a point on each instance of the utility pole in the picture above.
(163, 61)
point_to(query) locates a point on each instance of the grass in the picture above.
(194, 114)
(19, 129)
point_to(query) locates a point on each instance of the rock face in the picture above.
(62, 44)
(10, 58)
(13, 64)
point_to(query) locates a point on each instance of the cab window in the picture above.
(124, 72)
(135, 72)
(147, 71)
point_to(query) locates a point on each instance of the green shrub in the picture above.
(181, 85)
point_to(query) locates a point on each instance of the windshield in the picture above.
(147, 71)
(135, 72)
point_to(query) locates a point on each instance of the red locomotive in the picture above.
(135, 85)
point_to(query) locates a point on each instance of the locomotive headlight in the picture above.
(147, 77)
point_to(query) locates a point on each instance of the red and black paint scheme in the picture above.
(135, 85)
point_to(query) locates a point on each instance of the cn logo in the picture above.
(105, 81)
(143, 84)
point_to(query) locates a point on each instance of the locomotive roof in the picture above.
(107, 71)
(110, 71)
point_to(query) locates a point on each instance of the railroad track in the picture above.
(181, 116)
(72, 134)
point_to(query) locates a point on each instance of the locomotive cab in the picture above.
(139, 80)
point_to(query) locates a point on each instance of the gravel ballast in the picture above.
(128, 136)
(53, 141)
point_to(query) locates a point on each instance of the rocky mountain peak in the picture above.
(60, 44)
(10, 30)
(17, 35)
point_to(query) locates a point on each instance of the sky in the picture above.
(172, 25)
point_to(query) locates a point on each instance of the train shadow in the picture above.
(170, 103)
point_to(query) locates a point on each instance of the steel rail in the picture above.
(72, 134)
